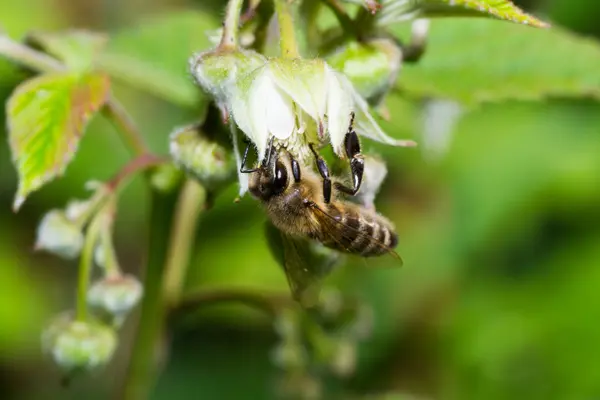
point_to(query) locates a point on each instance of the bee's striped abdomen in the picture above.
(366, 234)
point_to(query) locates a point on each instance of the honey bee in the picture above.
(295, 205)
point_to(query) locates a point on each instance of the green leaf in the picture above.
(500, 9)
(472, 61)
(47, 116)
(154, 56)
(78, 49)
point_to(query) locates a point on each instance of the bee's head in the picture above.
(269, 180)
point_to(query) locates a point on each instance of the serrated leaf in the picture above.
(78, 49)
(154, 56)
(472, 61)
(47, 116)
(500, 9)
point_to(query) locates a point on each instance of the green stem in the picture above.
(287, 34)
(120, 118)
(189, 206)
(231, 25)
(272, 304)
(28, 57)
(85, 266)
(349, 27)
(143, 366)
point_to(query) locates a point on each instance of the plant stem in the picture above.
(189, 206)
(143, 162)
(270, 303)
(85, 266)
(131, 135)
(342, 16)
(287, 35)
(142, 369)
(28, 57)
(231, 25)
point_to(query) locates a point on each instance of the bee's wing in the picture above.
(331, 224)
(304, 266)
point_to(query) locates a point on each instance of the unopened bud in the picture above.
(165, 178)
(372, 66)
(343, 362)
(59, 235)
(216, 70)
(76, 345)
(289, 355)
(208, 161)
(115, 295)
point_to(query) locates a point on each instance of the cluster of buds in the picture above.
(79, 341)
(324, 340)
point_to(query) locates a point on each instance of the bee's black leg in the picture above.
(295, 169)
(324, 171)
(357, 162)
(243, 168)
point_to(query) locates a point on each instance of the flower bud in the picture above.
(289, 355)
(76, 345)
(165, 178)
(206, 160)
(372, 66)
(343, 362)
(216, 70)
(115, 296)
(59, 235)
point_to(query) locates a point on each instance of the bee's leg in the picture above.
(295, 169)
(243, 168)
(357, 162)
(324, 171)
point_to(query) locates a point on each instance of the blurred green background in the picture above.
(499, 296)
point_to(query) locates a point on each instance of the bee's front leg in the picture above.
(357, 161)
(324, 171)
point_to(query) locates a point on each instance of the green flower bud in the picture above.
(216, 70)
(165, 178)
(372, 66)
(208, 161)
(115, 296)
(299, 386)
(289, 355)
(76, 345)
(343, 362)
(59, 235)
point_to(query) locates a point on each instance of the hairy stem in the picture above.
(287, 34)
(85, 266)
(141, 163)
(189, 206)
(231, 25)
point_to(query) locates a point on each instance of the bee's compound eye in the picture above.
(280, 179)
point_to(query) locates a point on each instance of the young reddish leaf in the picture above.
(47, 116)
(77, 48)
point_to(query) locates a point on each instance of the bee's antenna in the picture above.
(267, 160)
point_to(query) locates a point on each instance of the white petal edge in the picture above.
(280, 117)
(364, 123)
(242, 178)
(309, 91)
(339, 107)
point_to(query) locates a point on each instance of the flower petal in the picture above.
(339, 107)
(280, 113)
(365, 125)
(304, 81)
(249, 110)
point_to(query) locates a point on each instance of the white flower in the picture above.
(300, 101)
